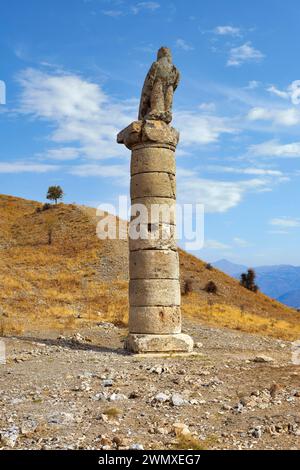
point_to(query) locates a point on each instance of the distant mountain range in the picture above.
(281, 282)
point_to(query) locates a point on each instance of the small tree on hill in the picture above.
(248, 280)
(55, 193)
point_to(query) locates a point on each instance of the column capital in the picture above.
(149, 133)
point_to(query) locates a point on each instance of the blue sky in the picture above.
(74, 72)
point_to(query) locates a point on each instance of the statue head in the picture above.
(164, 52)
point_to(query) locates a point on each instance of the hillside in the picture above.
(79, 279)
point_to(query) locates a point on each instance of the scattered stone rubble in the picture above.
(61, 394)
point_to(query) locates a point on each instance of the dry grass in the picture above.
(80, 279)
(237, 319)
(112, 412)
(189, 442)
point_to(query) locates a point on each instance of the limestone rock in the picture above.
(153, 210)
(263, 359)
(161, 397)
(139, 343)
(9, 438)
(181, 429)
(154, 236)
(158, 184)
(155, 133)
(154, 292)
(155, 320)
(150, 159)
(177, 400)
(154, 264)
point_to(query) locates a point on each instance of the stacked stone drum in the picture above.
(154, 289)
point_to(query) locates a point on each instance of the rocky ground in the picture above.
(82, 391)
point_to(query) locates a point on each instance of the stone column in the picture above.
(154, 287)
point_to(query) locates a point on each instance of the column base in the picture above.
(176, 343)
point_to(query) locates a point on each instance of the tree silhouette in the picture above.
(248, 280)
(55, 193)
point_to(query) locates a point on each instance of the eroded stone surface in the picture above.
(154, 210)
(155, 320)
(157, 184)
(155, 236)
(159, 86)
(154, 292)
(154, 264)
(155, 133)
(148, 159)
(139, 343)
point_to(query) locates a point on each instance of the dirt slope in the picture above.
(79, 278)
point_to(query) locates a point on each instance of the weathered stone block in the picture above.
(160, 132)
(131, 135)
(155, 320)
(154, 292)
(177, 343)
(148, 132)
(148, 159)
(157, 236)
(154, 210)
(156, 184)
(154, 264)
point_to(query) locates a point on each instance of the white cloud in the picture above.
(208, 107)
(182, 44)
(252, 85)
(245, 171)
(272, 148)
(244, 53)
(260, 172)
(199, 129)
(23, 167)
(278, 232)
(85, 121)
(284, 117)
(150, 6)
(227, 31)
(284, 221)
(2, 92)
(217, 196)
(112, 13)
(104, 171)
(241, 242)
(63, 153)
(78, 110)
(292, 92)
(215, 245)
(282, 94)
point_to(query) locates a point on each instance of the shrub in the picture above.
(46, 206)
(209, 267)
(211, 288)
(187, 286)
